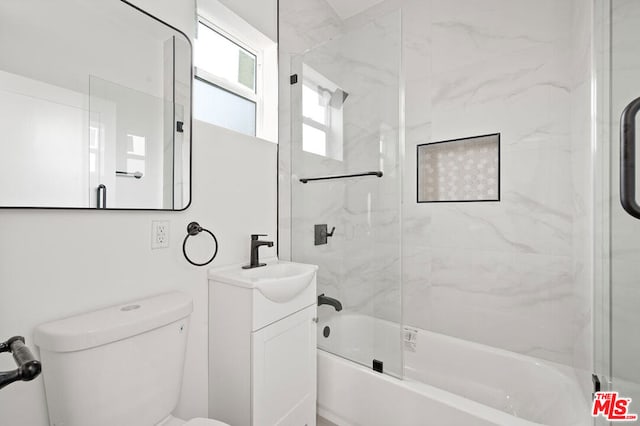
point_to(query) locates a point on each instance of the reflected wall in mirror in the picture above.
(95, 107)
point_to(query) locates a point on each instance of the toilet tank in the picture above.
(121, 365)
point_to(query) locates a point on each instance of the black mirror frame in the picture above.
(144, 12)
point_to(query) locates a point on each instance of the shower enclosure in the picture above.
(346, 188)
(617, 318)
(347, 167)
(498, 294)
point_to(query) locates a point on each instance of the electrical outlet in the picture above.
(159, 234)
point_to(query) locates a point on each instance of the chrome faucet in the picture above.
(326, 300)
(255, 245)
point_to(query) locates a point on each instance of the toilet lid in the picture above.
(204, 422)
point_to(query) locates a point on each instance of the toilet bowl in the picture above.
(122, 365)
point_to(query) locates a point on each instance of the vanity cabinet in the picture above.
(284, 371)
(262, 354)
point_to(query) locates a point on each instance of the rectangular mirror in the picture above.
(95, 107)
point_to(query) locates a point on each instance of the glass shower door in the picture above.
(346, 188)
(622, 338)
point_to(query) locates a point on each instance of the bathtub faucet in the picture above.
(325, 300)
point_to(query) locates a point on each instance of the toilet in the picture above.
(119, 366)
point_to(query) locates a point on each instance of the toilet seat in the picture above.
(204, 422)
(198, 421)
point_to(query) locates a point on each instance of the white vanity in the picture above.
(262, 344)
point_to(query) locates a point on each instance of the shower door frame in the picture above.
(609, 215)
(295, 80)
(602, 201)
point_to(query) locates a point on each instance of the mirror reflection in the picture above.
(96, 110)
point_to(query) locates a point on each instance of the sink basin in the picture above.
(278, 281)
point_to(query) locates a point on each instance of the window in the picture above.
(236, 73)
(322, 102)
(223, 108)
(226, 87)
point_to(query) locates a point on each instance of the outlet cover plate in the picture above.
(159, 234)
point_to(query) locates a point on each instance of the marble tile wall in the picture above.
(501, 274)
(512, 274)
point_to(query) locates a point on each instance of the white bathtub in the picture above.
(447, 381)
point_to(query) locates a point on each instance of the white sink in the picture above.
(278, 281)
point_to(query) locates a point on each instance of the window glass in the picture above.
(223, 58)
(223, 108)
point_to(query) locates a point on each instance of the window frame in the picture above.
(256, 97)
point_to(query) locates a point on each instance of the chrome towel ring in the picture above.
(194, 228)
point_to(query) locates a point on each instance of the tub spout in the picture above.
(325, 300)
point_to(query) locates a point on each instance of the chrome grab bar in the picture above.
(628, 158)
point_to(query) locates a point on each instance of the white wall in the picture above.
(260, 14)
(181, 14)
(58, 263)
